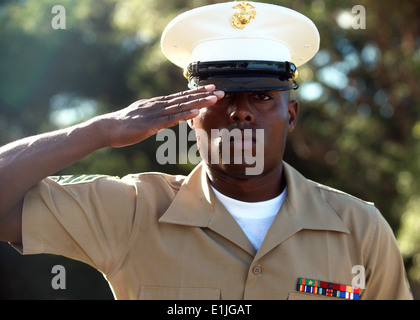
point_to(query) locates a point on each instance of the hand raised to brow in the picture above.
(145, 118)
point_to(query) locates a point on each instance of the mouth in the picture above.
(238, 146)
(243, 142)
(239, 138)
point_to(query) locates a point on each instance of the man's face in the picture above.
(263, 118)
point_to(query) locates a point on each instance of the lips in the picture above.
(238, 139)
(246, 141)
(246, 135)
(238, 146)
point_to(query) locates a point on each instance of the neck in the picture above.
(251, 188)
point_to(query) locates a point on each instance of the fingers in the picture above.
(209, 89)
(175, 118)
(191, 95)
(188, 100)
(187, 104)
(182, 104)
(149, 116)
(173, 114)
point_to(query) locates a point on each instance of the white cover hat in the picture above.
(240, 31)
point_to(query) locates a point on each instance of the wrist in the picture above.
(92, 133)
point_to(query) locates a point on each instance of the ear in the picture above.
(293, 107)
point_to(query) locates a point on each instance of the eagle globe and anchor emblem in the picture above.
(242, 18)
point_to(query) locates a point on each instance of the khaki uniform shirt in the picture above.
(158, 236)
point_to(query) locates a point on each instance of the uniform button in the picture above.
(257, 270)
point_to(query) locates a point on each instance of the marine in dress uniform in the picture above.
(159, 236)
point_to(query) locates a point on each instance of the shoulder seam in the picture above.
(375, 219)
(342, 193)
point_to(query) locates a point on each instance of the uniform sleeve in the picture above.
(385, 273)
(87, 218)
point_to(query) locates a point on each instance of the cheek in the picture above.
(276, 133)
(209, 118)
(202, 128)
(199, 121)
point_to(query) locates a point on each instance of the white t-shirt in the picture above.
(254, 218)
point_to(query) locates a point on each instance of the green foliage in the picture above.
(359, 127)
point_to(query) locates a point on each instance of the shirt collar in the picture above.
(304, 208)
(194, 204)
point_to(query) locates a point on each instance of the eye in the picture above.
(263, 97)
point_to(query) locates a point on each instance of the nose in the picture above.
(241, 114)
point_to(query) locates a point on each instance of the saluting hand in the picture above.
(145, 118)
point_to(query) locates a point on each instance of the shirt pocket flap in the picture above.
(174, 293)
